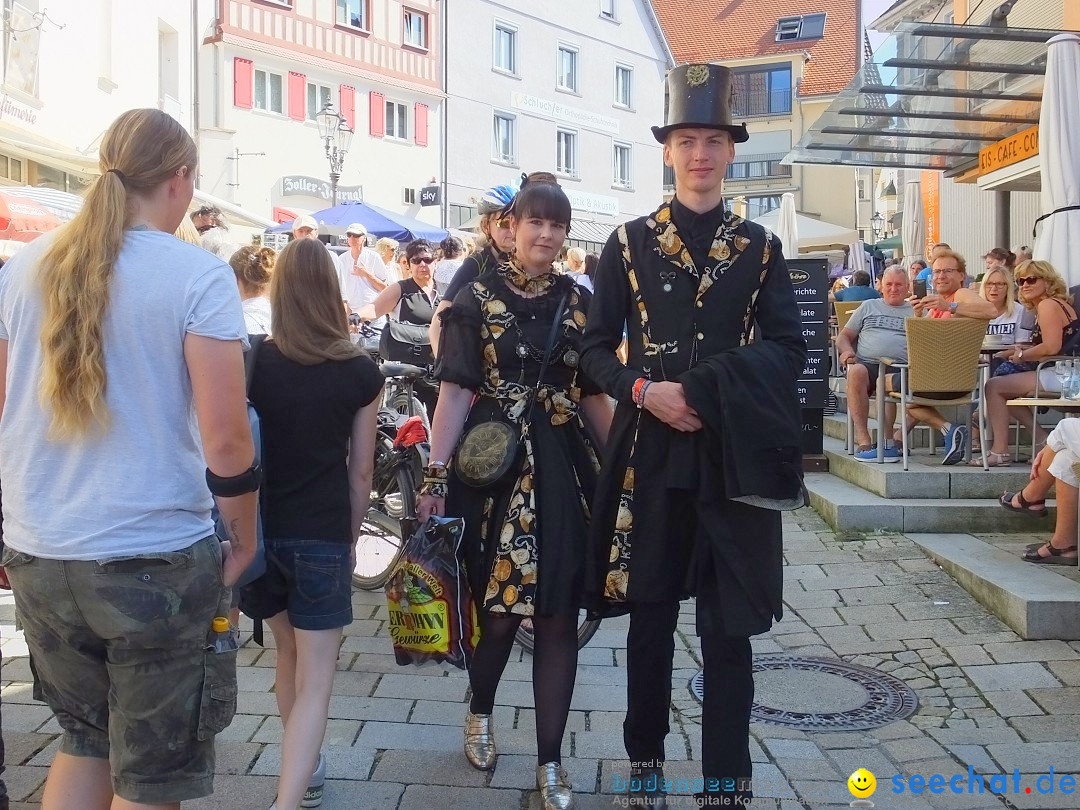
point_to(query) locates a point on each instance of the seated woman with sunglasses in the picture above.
(412, 302)
(1043, 291)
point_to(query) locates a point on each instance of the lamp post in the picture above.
(337, 138)
(877, 222)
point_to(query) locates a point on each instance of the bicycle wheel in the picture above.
(586, 630)
(406, 406)
(390, 516)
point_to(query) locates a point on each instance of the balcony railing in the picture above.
(765, 102)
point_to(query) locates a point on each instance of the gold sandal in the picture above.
(993, 460)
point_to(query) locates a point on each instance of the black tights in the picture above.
(554, 671)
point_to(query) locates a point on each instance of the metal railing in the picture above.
(765, 102)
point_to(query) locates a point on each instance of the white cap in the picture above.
(356, 228)
(305, 221)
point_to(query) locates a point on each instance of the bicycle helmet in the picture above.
(496, 200)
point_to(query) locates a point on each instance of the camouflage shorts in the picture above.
(119, 653)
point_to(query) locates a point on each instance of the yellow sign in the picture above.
(1010, 150)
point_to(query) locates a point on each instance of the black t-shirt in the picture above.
(306, 415)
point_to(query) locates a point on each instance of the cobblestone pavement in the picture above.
(986, 700)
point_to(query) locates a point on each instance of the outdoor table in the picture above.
(1057, 402)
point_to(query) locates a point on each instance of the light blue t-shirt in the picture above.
(140, 486)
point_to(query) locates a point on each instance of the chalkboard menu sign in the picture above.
(810, 280)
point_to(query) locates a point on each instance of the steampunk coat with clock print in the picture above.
(706, 301)
(526, 536)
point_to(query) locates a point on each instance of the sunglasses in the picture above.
(422, 260)
(1023, 282)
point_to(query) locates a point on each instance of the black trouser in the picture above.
(729, 694)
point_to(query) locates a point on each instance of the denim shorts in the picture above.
(119, 648)
(311, 579)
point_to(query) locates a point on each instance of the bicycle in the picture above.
(586, 630)
(401, 454)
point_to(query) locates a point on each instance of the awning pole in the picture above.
(1002, 218)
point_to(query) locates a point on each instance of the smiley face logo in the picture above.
(862, 784)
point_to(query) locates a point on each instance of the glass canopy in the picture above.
(931, 97)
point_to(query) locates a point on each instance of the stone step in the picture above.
(1033, 600)
(847, 507)
(925, 478)
(835, 426)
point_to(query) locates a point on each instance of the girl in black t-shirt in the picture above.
(318, 399)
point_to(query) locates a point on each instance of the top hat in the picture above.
(700, 97)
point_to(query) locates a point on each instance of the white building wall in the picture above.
(381, 167)
(94, 60)
(475, 90)
(967, 219)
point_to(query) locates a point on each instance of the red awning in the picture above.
(22, 219)
(282, 215)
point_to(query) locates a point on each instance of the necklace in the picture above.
(516, 275)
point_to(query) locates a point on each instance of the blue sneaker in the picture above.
(955, 444)
(891, 455)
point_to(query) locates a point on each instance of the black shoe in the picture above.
(647, 788)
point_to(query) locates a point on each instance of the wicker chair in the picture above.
(844, 311)
(943, 356)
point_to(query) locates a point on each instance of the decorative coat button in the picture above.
(700, 336)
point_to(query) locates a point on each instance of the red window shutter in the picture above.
(378, 114)
(421, 124)
(297, 96)
(243, 83)
(348, 105)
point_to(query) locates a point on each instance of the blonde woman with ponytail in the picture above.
(122, 412)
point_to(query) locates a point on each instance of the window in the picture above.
(624, 86)
(397, 120)
(318, 96)
(763, 91)
(268, 92)
(607, 9)
(750, 167)
(502, 148)
(669, 178)
(11, 168)
(566, 153)
(353, 13)
(757, 206)
(567, 77)
(415, 29)
(408, 196)
(622, 170)
(505, 55)
(808, 26)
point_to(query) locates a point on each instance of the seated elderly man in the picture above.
(1055, 465)
(875, 330)
(950, 299)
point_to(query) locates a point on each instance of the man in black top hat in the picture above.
(703, 452)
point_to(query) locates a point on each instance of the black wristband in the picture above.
(234, 485)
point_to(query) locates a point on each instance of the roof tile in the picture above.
(721, 30)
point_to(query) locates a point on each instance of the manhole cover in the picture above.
(823, 694)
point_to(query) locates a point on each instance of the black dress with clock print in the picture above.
(526, 535)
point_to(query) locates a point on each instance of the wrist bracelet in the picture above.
(434, 487)
(644, 390)
(639, 384)
(437, 472)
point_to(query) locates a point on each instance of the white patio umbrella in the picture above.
(787, 227)
(1058, 239)
(913, 232)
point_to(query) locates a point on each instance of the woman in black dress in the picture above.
(411, 305)
(525, 535)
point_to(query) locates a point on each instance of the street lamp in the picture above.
(877, 222)
(337, 137)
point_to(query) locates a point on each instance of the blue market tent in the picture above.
(378, 221)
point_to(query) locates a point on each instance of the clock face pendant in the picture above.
(667, 277)
(571, 359)
(522, 351)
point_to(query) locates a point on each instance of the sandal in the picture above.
(993, 460)
(1056, 557)
(1025, 505)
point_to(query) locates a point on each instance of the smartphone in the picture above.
(919, 288)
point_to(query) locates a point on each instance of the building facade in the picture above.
(53, 112)
(266, 68)
(566, 87)
(790, 58)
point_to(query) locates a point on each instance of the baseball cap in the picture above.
(356, 228)
(305, 221)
